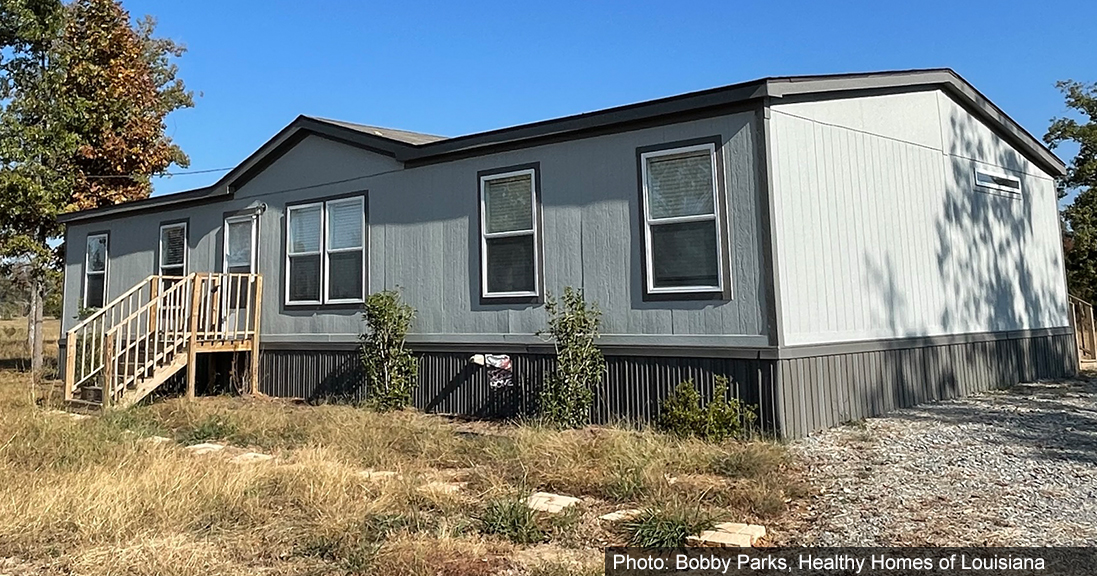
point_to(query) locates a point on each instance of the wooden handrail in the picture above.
(149, 305)
(106, 307)
(126, 342)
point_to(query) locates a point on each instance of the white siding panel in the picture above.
(882, 234)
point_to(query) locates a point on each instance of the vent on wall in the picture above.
(987, 180)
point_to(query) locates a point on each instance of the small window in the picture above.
(95, 271)
(681, 227)
(508, 235)
(326, 252)
(173, 249)
(997, 181)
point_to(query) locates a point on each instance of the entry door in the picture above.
(241, 253)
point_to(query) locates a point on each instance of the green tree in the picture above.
(1081, 177)
(83, 97)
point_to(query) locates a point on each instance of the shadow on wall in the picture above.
(998, 275)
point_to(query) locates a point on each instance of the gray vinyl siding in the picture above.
(881, 233)
(131, 251)
(424, 239)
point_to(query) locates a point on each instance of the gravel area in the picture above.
(1017, 467)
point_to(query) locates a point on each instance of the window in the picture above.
(1000, 182)
(240, 244)
(509, 240)
(681, 226)
(173, 249)
(95, 271)
(326, 252)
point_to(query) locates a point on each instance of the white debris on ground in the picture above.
(1010, 468)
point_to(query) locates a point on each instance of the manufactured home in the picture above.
(838, 246)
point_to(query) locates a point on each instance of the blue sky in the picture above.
(469, 66)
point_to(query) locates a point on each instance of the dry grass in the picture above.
(89, 497)
(13, 343)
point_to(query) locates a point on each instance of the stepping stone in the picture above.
(621, 515)
(729, 535)
(437, 487)
(205, 448)
(755, 531)
(551, 503)
(155, 440)
(719, 539)
(378, 475)
(251, 458)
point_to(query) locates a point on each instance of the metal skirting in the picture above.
(793, 397)
(823, 391)
(448, 383)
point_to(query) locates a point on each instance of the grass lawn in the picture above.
(90, 497)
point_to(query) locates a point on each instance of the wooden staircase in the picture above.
(130, 347)
(1085, 332)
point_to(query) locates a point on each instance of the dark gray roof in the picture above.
(404, 136)
(413, 147)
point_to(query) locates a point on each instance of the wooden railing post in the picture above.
(70, 364)
(108, 369)
(258, 314)
(192, 339)
(154, 292)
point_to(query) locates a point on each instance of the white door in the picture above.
(241, 253)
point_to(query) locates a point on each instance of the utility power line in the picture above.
(186, 173)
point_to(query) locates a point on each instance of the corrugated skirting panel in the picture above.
(794, 397)
(633, 390)
(823, 391)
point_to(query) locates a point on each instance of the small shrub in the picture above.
(512, 519)
(566, 396)
(721, 419)
(390, 368)
(666, 528)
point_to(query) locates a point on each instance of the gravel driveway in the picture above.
(1016, 467)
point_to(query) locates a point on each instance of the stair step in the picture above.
(91, 394)
(80, 405)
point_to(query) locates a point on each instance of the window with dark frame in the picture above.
(173, 249)
(325, 252)
(681, 220)
(510, 251)
(95, 271)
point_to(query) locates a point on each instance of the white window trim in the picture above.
(254, 220)
(323, 252)
(995, 186)
(160, 248)
(325, 275)
(485, 236)
(649, 221)
(87, 269)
